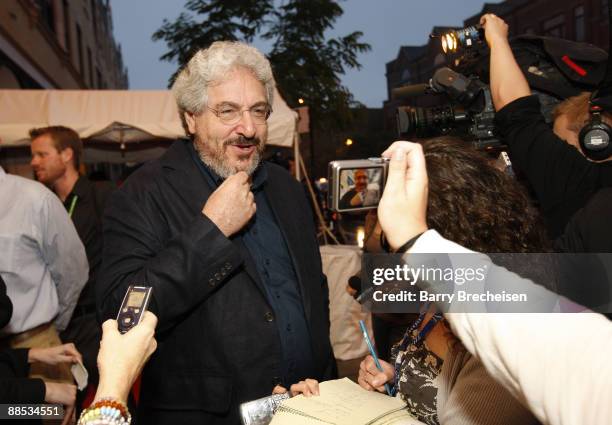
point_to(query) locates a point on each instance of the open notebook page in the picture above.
(342, 402)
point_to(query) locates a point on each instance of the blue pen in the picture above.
(373, 352)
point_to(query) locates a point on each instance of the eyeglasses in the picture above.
(229, 114)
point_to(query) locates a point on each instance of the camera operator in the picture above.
(576, 384)
(562, 178)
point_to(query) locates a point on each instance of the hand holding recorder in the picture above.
(122, 356)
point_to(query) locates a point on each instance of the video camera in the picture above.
(469, 111)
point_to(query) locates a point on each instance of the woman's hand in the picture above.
(370, 378)
(308, 387)
(403, 206)
(66, 353)
(122, 357)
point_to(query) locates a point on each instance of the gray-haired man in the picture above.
(227, 243)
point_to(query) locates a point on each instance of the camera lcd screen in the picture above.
(360, 188)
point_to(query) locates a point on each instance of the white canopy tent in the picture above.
(116, 125)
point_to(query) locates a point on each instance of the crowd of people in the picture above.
(240, 304)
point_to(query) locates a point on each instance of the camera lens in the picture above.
(426, 122)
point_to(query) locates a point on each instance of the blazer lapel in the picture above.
(186, 179)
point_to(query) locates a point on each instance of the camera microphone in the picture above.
(444, 80)
(355, 283)
(457, 86)
(413, 90)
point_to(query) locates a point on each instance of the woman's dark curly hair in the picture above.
(476, 205)
(481, 208)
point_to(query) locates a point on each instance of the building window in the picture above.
(103, 19)
(80, 49)
(94, 19)
(46, 14)
(90, 66)
(98, 79)
(579, 27)
(605, 13)
(554, 27)
(529, 31)
(66, 9)
(405, 78)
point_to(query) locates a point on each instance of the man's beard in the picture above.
(214, 156)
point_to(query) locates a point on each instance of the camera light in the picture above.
(466, 38)
(450, 42)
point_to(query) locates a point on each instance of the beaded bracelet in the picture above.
(105, 411)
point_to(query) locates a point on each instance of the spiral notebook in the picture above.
(342, 402)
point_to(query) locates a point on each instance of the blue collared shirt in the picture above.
(266, 244)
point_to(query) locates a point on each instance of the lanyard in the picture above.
(414, 340)
(72, 205)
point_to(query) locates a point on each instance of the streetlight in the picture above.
(360, 236)
(348, 142)
(301, 101)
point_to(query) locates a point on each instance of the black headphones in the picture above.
(596, 136)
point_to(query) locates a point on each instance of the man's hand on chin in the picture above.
(232, 205)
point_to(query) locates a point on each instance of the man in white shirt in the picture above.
(43, 263)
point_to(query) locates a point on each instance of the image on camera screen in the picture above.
(360, 187)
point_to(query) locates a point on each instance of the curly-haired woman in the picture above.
(482, 208)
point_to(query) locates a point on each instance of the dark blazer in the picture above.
(218, 341)
(15, 386)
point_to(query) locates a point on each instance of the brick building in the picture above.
(578, 20)
(60, 44)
